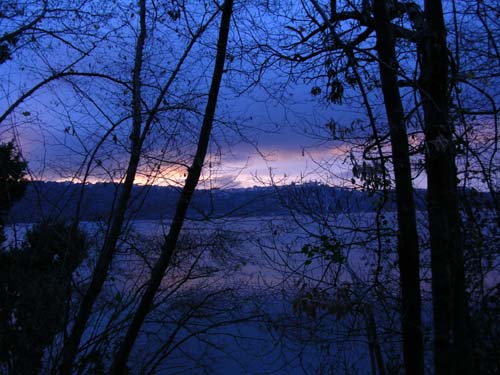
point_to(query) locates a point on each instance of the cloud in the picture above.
(284, 165)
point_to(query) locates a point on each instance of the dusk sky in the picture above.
(276, 127)
(274, 139)
(288, 139)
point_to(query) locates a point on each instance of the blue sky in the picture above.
(274, 128)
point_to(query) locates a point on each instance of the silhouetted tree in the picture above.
(192, 179)
(35, 282)
(12, 181)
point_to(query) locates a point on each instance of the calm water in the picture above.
(238, 297)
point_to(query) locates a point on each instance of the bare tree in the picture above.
(192, 179)
(141, 127)
(350, 52)
(408, 251)
(71, 344)
(452, 351)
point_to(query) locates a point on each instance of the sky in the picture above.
(271, 144)
(278, 144)
(275, 131)
(258, 138)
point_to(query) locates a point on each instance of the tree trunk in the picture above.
(376, 358)
(71, 345)
(120, 360)
(452, 354)
(408, 252)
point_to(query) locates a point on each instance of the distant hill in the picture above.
(55, 199)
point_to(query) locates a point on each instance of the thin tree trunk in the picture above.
(71, 345)
(120, 360)
(408, 252)
(452, 354)
(376, 358)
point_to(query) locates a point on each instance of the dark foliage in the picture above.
(35, 285)
(481, 238)
(12, 181)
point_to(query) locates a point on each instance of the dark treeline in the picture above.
(60, 200)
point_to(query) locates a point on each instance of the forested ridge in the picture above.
(156, 202)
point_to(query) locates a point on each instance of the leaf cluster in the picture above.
(328, 248)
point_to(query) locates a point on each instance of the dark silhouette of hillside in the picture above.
(60, 200)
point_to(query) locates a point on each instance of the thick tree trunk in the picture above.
(408, 252)
(452, 354)
(71, 345)
(120, 360)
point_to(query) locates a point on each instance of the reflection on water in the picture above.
(242, 296)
